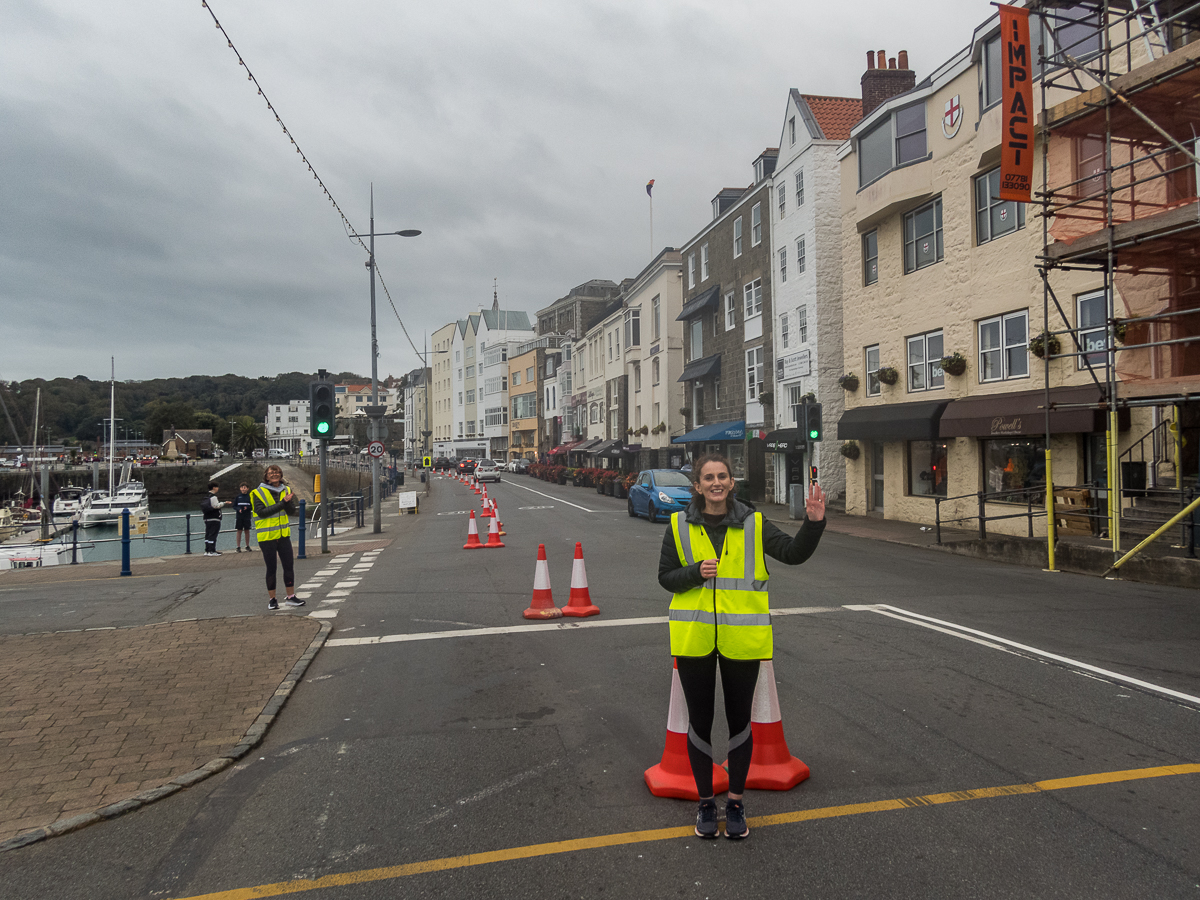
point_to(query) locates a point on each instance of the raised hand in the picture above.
(814, 506)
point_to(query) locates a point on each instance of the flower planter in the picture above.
(954, 364)
(849, 450)
(562, 479)
(610, 488)
(888, 375)
(622, 492)
(599, 487)
(849, 382)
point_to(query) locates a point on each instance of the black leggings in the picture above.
(698, 677)
(283, 547)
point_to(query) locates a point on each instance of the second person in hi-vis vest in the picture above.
(713, 562)
(273, 504)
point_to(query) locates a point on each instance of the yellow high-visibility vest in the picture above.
(274, 526)
(732, 612)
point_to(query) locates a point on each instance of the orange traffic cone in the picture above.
(772, 766)
(673, 776)
(499, 524)
(493, 536)
(472, 535)
(542, 606)
(487, 509)
(580, 602)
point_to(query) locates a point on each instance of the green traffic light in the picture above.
(323, 427)
(813, 434)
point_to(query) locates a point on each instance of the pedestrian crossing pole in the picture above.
(325, 497)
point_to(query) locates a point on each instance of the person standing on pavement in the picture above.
(242, 516)
(211, 507)
(713, 561)
(273, 503)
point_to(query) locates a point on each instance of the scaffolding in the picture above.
(1119, 198)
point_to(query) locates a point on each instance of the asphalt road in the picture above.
(454, 766)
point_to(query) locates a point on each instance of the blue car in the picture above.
(659, 492)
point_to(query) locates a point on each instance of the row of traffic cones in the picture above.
(579, 604)
(772, 766)
(493, 541)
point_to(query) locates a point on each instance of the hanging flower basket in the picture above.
(849, 450)
(954, 364)
(888, 375)
(1038, 345)
(766, 397)
(849, 381)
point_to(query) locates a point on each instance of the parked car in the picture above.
(443, 464)
(487, 470)
(659, 491)
(523, 466)
(466, 466)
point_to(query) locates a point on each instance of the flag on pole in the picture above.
(649, 188)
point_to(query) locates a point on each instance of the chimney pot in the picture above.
(903, 57)
(870, 59)
(892, 63)
(882, 61)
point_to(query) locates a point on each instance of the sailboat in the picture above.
(107, 506)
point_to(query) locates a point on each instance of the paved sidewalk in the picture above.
(89, 719)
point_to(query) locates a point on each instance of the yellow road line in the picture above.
(365, 876)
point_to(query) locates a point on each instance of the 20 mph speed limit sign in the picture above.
(375, 448)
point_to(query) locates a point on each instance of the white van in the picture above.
(275, 453)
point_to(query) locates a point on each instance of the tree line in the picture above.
(72, 409)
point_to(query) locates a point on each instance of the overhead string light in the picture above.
(346, 224)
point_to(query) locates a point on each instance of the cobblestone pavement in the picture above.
(91, 718)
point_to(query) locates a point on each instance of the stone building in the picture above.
(728, 356)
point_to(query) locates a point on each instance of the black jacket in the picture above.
(678, 578)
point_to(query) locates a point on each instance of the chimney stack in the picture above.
(885, 79)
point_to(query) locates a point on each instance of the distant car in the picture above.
(443, 464)
(487, 470)
(276, 453)
(466, 466)
(523, 466)
(659, 491)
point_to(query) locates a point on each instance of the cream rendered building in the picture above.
(934, 264)
(442, 407)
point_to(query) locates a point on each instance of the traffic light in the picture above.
(812, 422)
(321, 423)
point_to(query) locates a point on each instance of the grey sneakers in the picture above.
(706, 819)
(293, 601)
(735, 820)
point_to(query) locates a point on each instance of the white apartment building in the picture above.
(286, 426)
(417, 414)
(806, 283)
(352, 398)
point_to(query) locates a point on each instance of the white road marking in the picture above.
(303, 595)
(339, 593)
(556, 625)
(325, 573)
(549, 497)
(323, 614)
(346, 584)
(962, 631)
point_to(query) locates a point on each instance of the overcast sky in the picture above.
(151, 208)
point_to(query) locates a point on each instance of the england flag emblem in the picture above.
(952, 117)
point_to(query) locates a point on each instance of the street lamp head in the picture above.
(408, 232)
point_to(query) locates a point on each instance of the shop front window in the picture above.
(927, 468)
(1012, 467)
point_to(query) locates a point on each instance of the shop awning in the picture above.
(700, 368)
(585, 445)
(786, 440)
(718, 431)
(699, 303)
(565, 448)
(893, 421)
(617, 450)
(1024, 413)
(600, 448)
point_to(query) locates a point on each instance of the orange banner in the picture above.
(1016, 70)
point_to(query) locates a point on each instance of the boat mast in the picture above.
(33, 455)
(112, 425)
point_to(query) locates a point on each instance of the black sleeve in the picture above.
(673, 576)
(791, 551)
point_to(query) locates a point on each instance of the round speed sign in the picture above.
(375, 448)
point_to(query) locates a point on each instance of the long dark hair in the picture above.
(698, 467)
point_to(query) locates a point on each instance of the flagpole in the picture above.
(650, 194)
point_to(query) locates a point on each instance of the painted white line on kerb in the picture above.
(549, 497)
(962, 631)
(533, 629)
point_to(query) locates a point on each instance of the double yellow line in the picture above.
(365, 876)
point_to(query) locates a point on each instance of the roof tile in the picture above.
(835, 115)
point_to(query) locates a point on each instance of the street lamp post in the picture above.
(375, 411)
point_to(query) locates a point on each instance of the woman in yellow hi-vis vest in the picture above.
(272, 503)
(714, 563)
